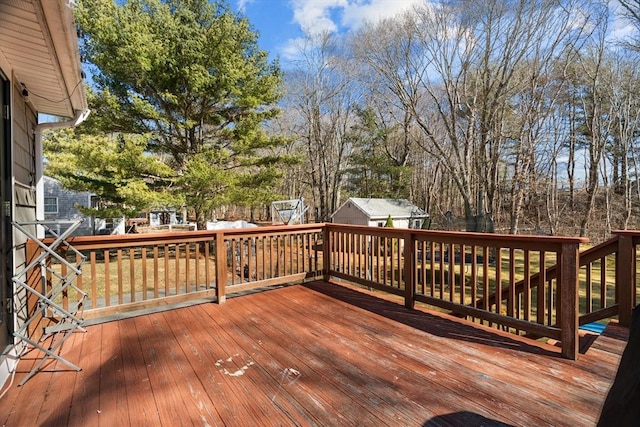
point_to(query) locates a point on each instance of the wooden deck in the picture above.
(313, 354)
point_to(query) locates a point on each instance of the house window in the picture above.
(50, 205)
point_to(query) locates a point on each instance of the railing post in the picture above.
(624, 278)
(221, 268)
(326, 253)
(568, 283)
(409, 269)
(35, 280)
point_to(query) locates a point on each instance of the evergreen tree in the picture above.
(125, 178)
(378, 161)
(190, 74)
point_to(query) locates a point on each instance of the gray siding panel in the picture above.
(67, 205)
(24, 121)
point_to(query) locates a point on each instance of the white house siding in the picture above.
(24, 155)
(397, 222)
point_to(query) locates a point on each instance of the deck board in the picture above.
(354, 365)
(319, 369)
(416, 355)
(142, 410)
(172, 385)
(311, 355)
(113, 403)
(84, 399)
(59, 384)
(487, 372)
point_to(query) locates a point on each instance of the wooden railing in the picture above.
(470, 274)
(137, 271)
(529, 285)
(605, 276)
(609, 280)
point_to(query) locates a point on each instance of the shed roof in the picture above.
(382, 208)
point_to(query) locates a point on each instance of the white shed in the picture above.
(374, 213)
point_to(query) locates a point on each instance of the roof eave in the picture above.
(63, 37)
(38, 40)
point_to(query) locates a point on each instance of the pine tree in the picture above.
(190, 74)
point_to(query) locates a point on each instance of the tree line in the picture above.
(514, 116)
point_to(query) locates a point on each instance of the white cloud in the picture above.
(317, 16)
(358, 13)
(314, 16)
(290, 51)
(242, 5)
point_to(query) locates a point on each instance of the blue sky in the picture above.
(281, 23)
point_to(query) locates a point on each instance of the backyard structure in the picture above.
(288, 212)
(375, 212)
(162, 216)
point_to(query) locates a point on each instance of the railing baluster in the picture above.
(119, 275)
(463, 281)
(542, 283)
(511, 298)
(442, 271)
(94, 281)
(485, 278)
(187, 267)
(166, 274)
(107, 281)
(197, 266)
(132, 275)
(432, 255)
(589, 288)
(143, 257)
(498, 283)
(474, 274)
(207, 266)
(527, 285)
(552, 306)
(176, 261)
(603, 282)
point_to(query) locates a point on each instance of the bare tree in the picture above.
(324, 101)
(494, 91)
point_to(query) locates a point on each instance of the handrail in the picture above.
(587, 257)
(450, 270)
(137, 271)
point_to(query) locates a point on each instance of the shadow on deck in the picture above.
(312, 354)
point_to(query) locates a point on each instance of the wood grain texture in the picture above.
(313, 355)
